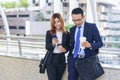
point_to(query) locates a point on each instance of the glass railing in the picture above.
(34, 48)
(23, 47)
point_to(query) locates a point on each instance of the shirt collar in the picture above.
(82, 26)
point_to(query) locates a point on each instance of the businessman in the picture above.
(85, 44)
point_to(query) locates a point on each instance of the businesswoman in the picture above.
(57, 42)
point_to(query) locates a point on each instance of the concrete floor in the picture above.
(27, 69)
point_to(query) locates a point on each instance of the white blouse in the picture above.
(59, 37)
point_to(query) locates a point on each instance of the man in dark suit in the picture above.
(83, 55)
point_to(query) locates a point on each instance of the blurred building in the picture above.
(108, 17)
(112, 28)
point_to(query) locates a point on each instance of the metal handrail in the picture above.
(114, 42)
(36, 46)
(24, 45)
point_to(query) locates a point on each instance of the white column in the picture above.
(30, 3)
(42, 3)
(5, 22)
(5, 26)
(91, 12)
(72, 4)
(58, 6)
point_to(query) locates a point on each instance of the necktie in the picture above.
(77, 43)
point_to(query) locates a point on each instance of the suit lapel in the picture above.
(85, 29)
(63, 37)
(74, 32)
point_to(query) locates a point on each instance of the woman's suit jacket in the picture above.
(65, 41)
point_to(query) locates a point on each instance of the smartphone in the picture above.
(59, 44)
(54, 36)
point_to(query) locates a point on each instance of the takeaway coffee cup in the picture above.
(82, 40)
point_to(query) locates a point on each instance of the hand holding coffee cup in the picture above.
(82, 42)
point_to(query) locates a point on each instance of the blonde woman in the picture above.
(57, 42)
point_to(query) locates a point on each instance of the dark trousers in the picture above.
(56, 69)
(72, 71)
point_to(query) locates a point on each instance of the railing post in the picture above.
(7, 47)
(19, 45)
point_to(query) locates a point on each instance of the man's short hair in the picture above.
(77, 11)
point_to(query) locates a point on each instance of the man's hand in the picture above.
(86, 44)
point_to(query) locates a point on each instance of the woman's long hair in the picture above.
(52, 23)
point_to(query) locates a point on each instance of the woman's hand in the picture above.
(54, 41)
(62, 49)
